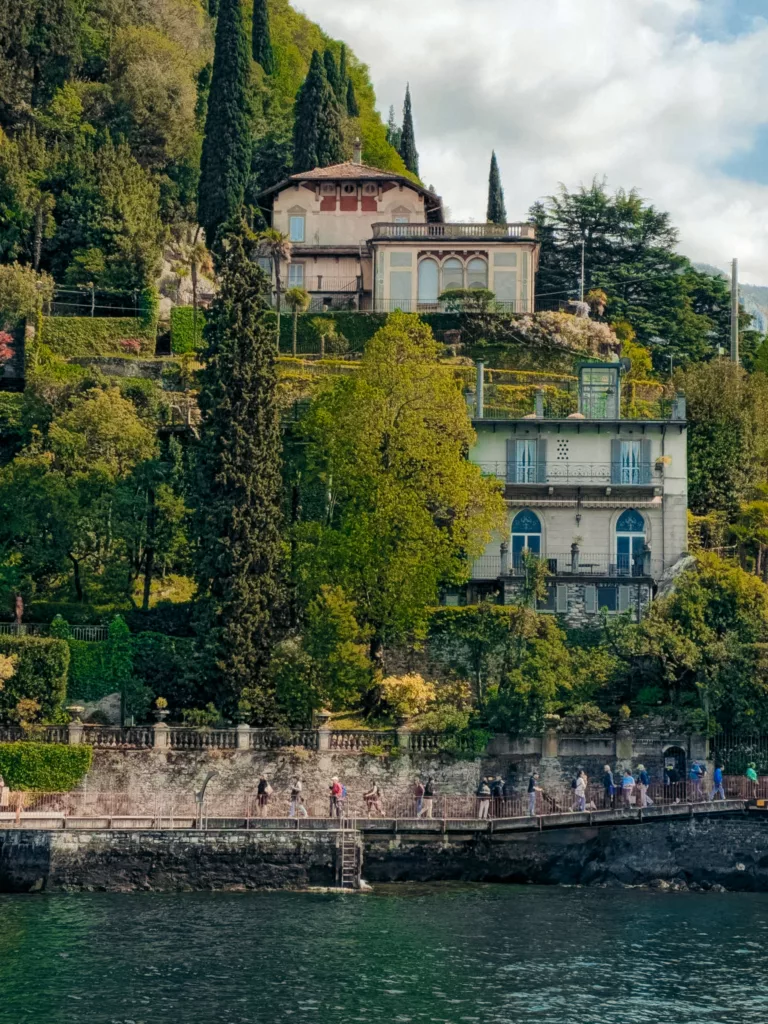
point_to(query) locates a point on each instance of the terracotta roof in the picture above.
(345, 170)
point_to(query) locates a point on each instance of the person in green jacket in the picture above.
(752, 779)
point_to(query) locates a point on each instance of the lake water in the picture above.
(448, 954)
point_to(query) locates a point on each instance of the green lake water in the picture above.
(442, 953)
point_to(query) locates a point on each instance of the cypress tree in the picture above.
(497, 211)
(408, 149)
(332, 73)
(353, 108)
(394, 132)
(226, 145)
(343, 71)
(261, 39)
(239, 492)
(317, 127)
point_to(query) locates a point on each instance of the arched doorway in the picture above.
(526, 536)
(675, 765)
(630, 543)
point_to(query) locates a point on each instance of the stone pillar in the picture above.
(404, 737)
(75, 733)
(624, 748)
(539, 404)
(243, 737)
(323, 720)
(480, 391)
(160, 739)
(549, 743)
(504, 558)
(574, 559)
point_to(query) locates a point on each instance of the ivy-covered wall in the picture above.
(46, 767)
(186, 330)
(41, 675)
(356, 328)
(98, 335)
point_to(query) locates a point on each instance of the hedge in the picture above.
(41, 675)
(89, 679)
(184, 337)
(97, 335)
(357, 328)
(47, 767)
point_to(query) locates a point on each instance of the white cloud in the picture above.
(637, 90)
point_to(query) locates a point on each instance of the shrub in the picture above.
(585, 718)
(49, 767)
(186, 336)
(201, 718)
(405, 696)
(41, 675)
(131, 346)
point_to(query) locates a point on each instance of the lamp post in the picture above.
(200, 797)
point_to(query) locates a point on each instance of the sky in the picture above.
(668, 96)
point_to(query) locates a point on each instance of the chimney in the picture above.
(357, 157)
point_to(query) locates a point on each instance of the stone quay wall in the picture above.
(104, 860)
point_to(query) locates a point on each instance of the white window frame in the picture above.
(526, 471)
(630, 454)
(296, 218)
(292, 275)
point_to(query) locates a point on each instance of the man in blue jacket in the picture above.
(643, 782)
(717, 779)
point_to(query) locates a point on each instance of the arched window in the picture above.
(453, 274)
(526, 535)
(477, 274)
(429, 276)
(630, 543)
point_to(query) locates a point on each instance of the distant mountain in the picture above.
(754, 297)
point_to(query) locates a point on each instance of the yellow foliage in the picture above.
(407, 695)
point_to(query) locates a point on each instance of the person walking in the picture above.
(609, 786)
(418, 795)
(334, 793)
(628, 788)
(752, 780)
(428, 800)
(373, 799)
(483, 799)
(717, 783)
(5, 793)
(263, 793)
(297, 805)
(643, 782)
(533, 789)
(696, 774)
(580, 792)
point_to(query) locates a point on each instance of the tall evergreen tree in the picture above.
(317, 128)
(226, 145)
(497, 211)
(332, 73)
(261, 40)
(394, 131)
(408, 149)
(238, 519)
(343, 70)
(353, 108)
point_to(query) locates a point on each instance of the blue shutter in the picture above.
(541, 460)
(645, 462)
(615, 462)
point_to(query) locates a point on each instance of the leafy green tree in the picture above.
(332, 73)
(404, 507)
(238, 504)
(22, 293)
(226, 153)
(408, 149)
(497, 211)
(394, 131)
(338, 649)
(318, 129)
(261, 41)
(471, 639)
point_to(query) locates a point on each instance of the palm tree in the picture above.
(298, 299)
(277, 247)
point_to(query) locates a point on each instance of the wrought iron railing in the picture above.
(476, 232)
(491, 567)
(570, 473)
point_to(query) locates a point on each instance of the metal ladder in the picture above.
(349, 876)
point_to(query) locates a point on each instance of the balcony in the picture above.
(582, 564)
(454, 232)
(571, 474)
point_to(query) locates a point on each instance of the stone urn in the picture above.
(160, 714)
(74, 711)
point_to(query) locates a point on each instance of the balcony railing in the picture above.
(477, 232)
(571, 474)
(493, 567)
(331, 285)
(414, 306)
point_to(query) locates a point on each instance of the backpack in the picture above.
(343, 792)
(573, 783)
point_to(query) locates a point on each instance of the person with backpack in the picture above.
(696, 774)
(428, 800)
(297, 800)
(263, 793)
(373, 799)
(643, 782)
(717, 783)
(335, 794)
